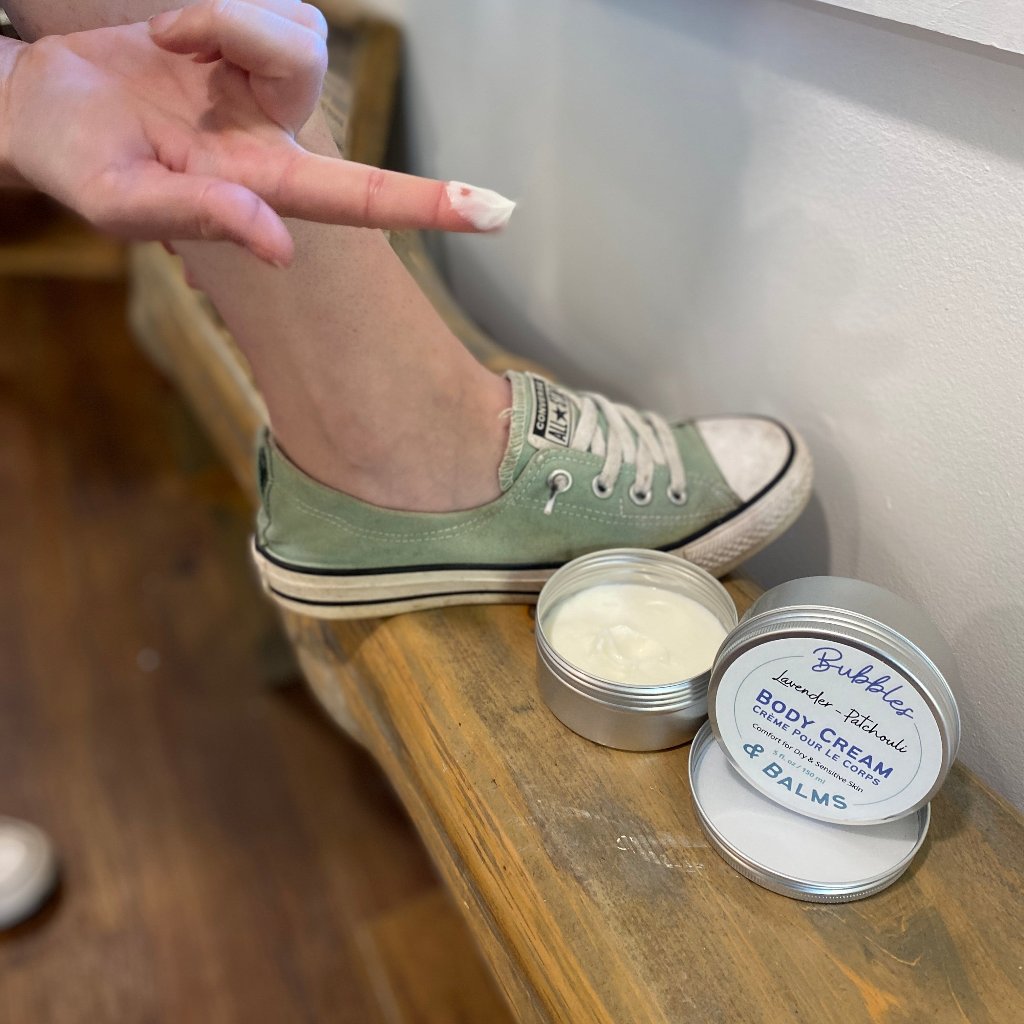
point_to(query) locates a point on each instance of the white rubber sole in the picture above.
(369, 595)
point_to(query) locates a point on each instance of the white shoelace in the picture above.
(643, 438)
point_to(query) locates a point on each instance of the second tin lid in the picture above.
(832, 699)
(790, 853)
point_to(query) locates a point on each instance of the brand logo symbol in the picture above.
(552, 417)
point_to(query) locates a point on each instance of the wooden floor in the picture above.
(228, 856)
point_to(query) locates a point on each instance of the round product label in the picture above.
(828, 730)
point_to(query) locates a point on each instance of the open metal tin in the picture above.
(629, 717)
(832, 722)
(791, 854)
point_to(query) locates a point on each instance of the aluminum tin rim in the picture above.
(622, 697)
(790, 885)
(866, 634)
(869, 599)
(897, 649)
(593, 568)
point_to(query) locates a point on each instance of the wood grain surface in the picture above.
(588, 881)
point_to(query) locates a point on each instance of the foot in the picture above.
(579, 473)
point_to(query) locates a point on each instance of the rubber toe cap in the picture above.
(750, 451)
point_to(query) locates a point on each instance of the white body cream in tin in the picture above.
(635, 633)
(625, 641)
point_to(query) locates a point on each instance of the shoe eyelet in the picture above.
(640, 498)
(676, 497)
(600, 488)
(559, 481)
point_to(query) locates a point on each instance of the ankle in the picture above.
(438, 452)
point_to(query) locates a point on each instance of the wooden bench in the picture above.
(581, 870)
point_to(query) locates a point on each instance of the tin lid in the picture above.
(831, 698)
(790, 853)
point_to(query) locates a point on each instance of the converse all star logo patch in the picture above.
(553, 413)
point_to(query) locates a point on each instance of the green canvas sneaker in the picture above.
(580, 473)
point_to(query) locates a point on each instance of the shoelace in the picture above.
(643, 438)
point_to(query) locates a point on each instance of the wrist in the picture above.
(10, 51)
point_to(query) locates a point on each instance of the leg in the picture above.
(360, 375)
(372, 396)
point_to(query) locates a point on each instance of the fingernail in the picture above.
(162, 22)
(485, 209)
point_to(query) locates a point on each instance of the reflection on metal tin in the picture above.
(790, 853)
(630, 714)
(832, 698)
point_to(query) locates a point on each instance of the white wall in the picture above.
(772, 205)
(992, 22)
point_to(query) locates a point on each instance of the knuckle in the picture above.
(319, 55)
(98, 207)
(283, 185)
(47, 57)
(309, 54)
(225, 212)
(47, 48)
(208, 225)
(313, 18)
(376, 182)
(217, 12)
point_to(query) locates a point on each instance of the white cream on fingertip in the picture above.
(485, 209)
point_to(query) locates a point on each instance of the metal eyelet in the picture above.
(639, 497)
(600, 488)
(676, 497)
(559, 481)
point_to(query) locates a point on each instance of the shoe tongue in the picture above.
(543, 416)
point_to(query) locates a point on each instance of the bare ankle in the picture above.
(437, 453)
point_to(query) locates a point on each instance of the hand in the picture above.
(186, 129)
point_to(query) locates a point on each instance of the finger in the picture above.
(344, 192)
(286, 60)
(151, 202)
(258, 35)
(301, 13)
(294, 10)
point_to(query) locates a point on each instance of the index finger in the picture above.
(337, 191)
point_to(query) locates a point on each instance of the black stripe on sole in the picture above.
(401, 600)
